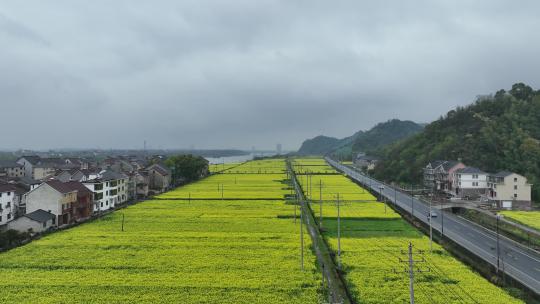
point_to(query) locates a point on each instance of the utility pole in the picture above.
(498, 250)
(320, 204)
(410, 269)
(123, 217)
(381, 188)
(310, 188)
(339, 233)
(395, 196)
(430, 222)
(295, 206)
(411, 274)
(412, 201)
(302, 237)
(442, 222)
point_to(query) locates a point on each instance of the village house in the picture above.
(42, 168)
(36, 222)
(469, 182)
(11, 169)
(66, 175)
(110, 189)
(142, 182)
(55, 197)
(509, 190)
(365, 162)
(438, 175)
(159, 177)
(7, 196)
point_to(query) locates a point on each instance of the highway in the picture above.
(516, 260)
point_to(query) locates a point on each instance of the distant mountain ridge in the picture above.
(377, 137)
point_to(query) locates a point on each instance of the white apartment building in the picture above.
(469, 182)
(109, 188)
(7, 205)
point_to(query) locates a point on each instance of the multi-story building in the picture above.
(7, 197)
(96, 187)
(110, 189)
(438, 175)
(41, 168)
(159, 177)
(509, 190)
(469, 182)
(54, 197)
(11, 169)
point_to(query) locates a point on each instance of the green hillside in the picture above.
(497, 132)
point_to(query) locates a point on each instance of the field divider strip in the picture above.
(336, 283)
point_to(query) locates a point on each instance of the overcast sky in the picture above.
(243, 73)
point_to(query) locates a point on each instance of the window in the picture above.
(475, 176)
(0, 218)
(9, 193)
(101, 204)
(8, 216)
(515, 187)
(515, 195)
(515, 179)
(44, 225)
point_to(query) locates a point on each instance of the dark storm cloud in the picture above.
(248, 73)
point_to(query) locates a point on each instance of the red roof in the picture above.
(79, 187)
(63, 188)
(7, 188)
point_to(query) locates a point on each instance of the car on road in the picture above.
(433, 214)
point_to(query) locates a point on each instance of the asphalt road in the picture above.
(518, 261)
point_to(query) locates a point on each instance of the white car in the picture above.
(433, 214)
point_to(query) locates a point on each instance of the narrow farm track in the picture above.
(336, 286)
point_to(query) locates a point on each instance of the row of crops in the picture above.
(528, 218)
(374, 241)
(211, 249)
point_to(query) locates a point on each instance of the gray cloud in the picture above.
(245, 73)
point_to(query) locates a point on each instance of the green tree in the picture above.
(187, 167)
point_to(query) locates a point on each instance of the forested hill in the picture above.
(385, 133)
(320, 145)
(497, 132)
(377, 137)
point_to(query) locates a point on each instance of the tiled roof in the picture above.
(503, 173)
(33, 159)
(77, 186)
(470, 170)
(9, 164)
(112, 175)
(447, 165)
(40, 216)
(160, 169)
(60, 187)
(7, 188)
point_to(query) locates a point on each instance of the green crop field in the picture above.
(245, 186)
(311, 165)
(374, 243)
(173, 251)
(528, 218)
(222, 167)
